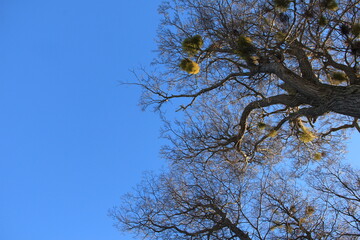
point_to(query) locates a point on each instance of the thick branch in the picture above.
(241, 234)
(304, 64)
(345, 101)
(345, 126)
(304, 86)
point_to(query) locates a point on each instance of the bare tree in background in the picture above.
(226, 201)
(268, 91)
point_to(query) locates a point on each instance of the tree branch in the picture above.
(312, 112)
(290, 101)
(304, 64)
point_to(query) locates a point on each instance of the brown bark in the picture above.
(346, 101)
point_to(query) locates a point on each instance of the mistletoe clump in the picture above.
(330, 4)
(318, 156)
(189, 66)
(322, 21)
(192, 45)
(306, 136)
(245, 47)
(309, 210)
(282, 4)
(355, 48)
(338, 78)
(272, 133)
(261, 125)
(356, 29)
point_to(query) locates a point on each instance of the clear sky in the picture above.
(72, 140)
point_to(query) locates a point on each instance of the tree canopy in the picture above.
(268, 90)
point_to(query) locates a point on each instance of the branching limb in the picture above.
(257, 93)
(308, 112)
(227, 222)
(279, 99)
(354, 124)
(164, 97)
(304, 63)
(348, 70)
(304, 86)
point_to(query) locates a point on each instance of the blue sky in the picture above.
(72, 140)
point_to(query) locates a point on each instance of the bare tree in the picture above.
(222, 200)
(268, 91)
